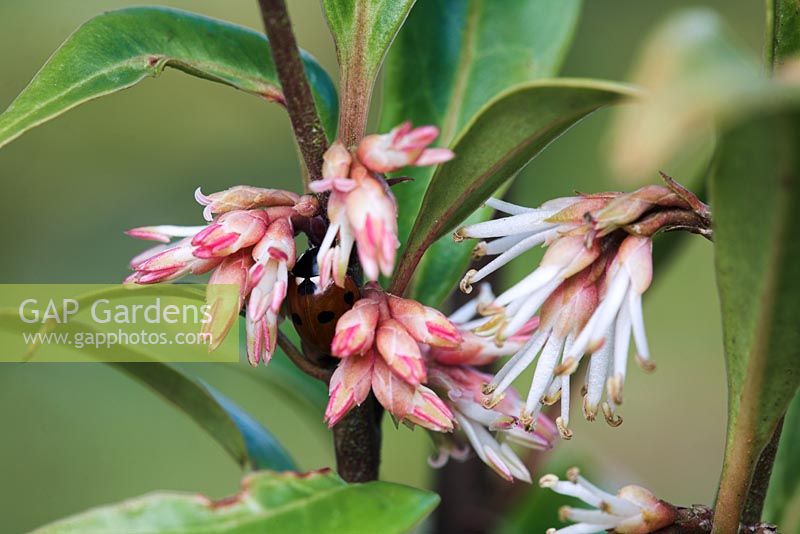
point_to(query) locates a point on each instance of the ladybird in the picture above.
(314, 311)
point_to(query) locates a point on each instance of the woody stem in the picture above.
(357, 442)
(303, 114)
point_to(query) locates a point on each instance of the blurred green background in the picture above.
(74, 436)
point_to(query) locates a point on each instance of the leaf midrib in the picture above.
(133, 63)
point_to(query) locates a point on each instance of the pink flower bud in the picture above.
(425, 324)
(413, 404)
(372, 214)
(355, 330)
(171, 264)
(232, 231)
(401, 147)
(243, 197)
(400, 352)
(234, 270)
(350, 385)
(336, 162)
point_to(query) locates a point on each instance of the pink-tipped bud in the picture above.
(243, 197)
(655, 513)
(425, 324)
(171, 264)
(350, 385)
(394, 393)
(401, 147)
(570, 255)
(234, 270)
(355, 330)
(372, 214)
(336, 162)
(400, 352)
(232, 231)
(428, 411)
(477, 350)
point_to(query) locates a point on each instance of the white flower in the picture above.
(633, 510)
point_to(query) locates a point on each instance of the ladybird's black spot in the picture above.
(306, 287)
(349, 298)
(325, 316)
(296, 319)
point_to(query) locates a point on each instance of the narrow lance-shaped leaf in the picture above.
(363, 31)
(249, 444)
(501, 140)
(450, 58)
(267, 502)
(118, 49)
(755, 193)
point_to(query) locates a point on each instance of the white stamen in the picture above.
(544, 373)
(538, 278)
(622, 339)
(530, 306)
(521, 360)
(531, 221)
(595, 517)
(637, 319)
(512, 253)
(507, 207)
(603, 316)
(598, 370)
(501, 244)
(468, 310)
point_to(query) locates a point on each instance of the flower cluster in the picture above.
(249, 243)
(361, 209)
(633, 510)
(587, 291)
(378, 342)
(419, 364)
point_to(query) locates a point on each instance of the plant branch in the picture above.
(757, 493)
(357, 442)
(303, 114)
(301, 362)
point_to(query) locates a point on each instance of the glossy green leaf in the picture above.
(118, 49)
(504, 136)
(267, 502)
(362, 31)
(450, 59)
(755, 196)
(783, 499)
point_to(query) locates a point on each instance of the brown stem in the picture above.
(306, 123)
(300, 361)
(670, 220)
(699, 519)
(357, 442)
(760, 482)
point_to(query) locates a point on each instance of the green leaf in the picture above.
(467, 52)
(362, 31)
(504, 136)
(755, 196)
(249, 444)
(118, 49)
(783, 499)
(267, 502)
(783, 37)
